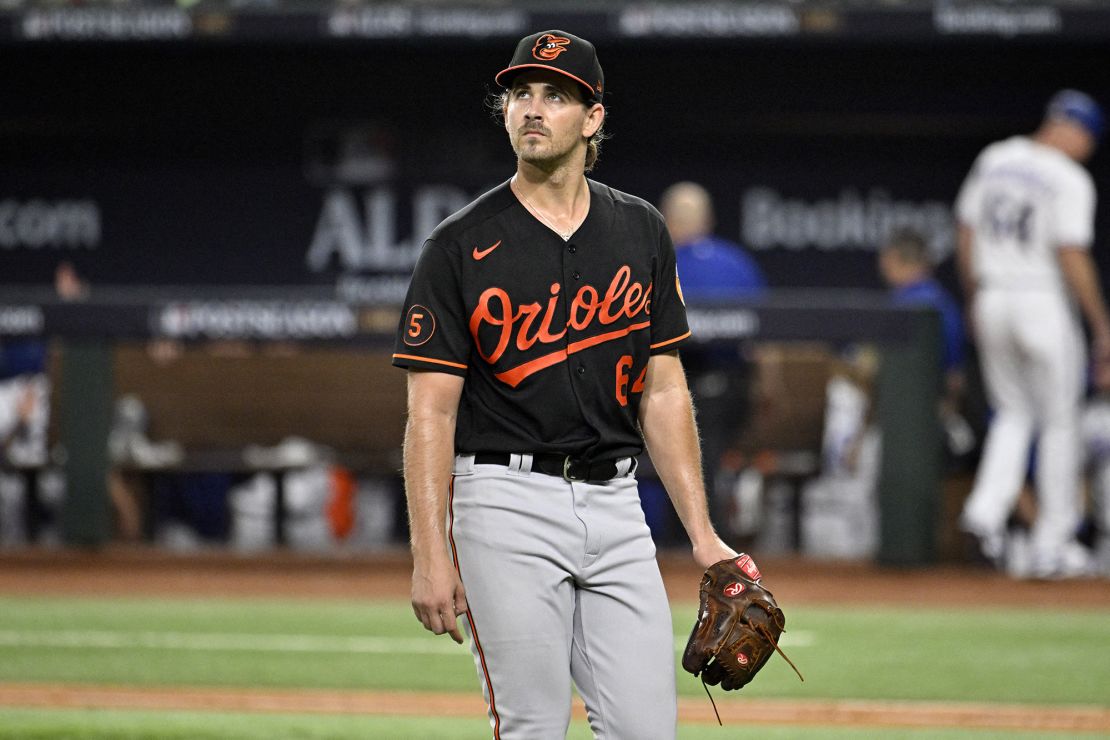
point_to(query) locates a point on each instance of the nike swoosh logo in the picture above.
(481, 253)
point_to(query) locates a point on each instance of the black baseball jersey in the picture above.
(553, 337)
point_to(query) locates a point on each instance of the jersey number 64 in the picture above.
(624, 366)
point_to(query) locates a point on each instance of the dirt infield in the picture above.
(145, 572)
(690, 710)
(386, 575)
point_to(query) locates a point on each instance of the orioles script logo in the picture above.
(549, 46)
(529, 323)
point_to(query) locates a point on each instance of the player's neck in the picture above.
(559, 188)
(1048, 137)
(560, 200)
(1064, 140)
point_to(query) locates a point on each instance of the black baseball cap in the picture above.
(560, 52)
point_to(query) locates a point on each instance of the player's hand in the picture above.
(1100, 360)
(26, 405)
(438, 598)
(970, 324)
(711, 551)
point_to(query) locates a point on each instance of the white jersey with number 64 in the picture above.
(1024, 200)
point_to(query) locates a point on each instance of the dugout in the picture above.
(221, 394)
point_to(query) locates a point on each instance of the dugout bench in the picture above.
(907, 390)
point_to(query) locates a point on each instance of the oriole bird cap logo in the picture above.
(549, 46)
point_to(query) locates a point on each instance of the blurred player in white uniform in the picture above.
(1026, 222)
(1096, 441)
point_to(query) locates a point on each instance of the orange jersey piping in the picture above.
(428, 359)
(670, 341)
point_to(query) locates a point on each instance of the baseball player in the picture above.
(1026, 220)
(540, 334)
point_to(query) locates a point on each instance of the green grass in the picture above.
(133, 725)
(889, 653)
(27, 724)
(987, 655)
(452, 670)
(999, 655)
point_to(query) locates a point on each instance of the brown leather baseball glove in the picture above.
(738, 626)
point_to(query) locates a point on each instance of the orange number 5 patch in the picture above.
(414, 324)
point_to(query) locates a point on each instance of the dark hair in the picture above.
(909, 245)
(497, 100)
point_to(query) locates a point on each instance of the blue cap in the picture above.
(1079, 108)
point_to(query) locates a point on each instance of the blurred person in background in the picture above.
(1026, 225)
(906, 266)
(25, 413)
(24, 400)
(25, 385)
(712, 269)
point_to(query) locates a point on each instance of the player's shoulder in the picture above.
(1025, 153)
(1078, 179)
(485, 207)
(1014, 146)
(1069, 178)
(625, 204)
(1073, 173)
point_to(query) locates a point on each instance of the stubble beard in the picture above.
(547, 157)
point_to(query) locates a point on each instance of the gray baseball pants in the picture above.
(562, 585)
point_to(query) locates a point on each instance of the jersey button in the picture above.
(581, 369)
(577, 275)
(571, 248)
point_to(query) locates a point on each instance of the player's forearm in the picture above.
(428, 459)
(964, 261)
(1082, 278)
(667, 419)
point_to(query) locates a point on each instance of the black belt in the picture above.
(564, 466)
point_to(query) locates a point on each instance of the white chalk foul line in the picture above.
(224, 641)
(245, 642)
(798, 638)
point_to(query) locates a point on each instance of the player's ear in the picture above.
(504, 102)
(595, 116)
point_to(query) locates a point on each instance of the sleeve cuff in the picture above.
(429, 363)
(668, 345)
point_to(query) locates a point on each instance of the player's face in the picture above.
(546, 119)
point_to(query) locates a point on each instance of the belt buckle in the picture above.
(566, 471)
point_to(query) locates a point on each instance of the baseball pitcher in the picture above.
(540, 333)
